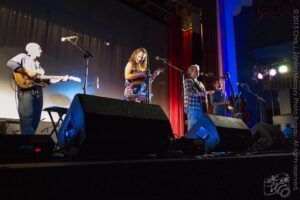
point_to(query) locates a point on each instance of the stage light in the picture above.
(282, 69)
(272, 72)
(260, 76)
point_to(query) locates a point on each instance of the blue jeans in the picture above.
(30, 108)
(204, 129)
(193, 116)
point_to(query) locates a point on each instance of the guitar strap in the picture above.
(23, 61)
(197, 86)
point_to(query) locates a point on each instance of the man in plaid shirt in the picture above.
(194, 93)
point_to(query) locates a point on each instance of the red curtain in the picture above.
(187, 48)
(175, 85)
(180, 55)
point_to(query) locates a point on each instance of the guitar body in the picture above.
(137, 90)
(244, 110)
(25, 82)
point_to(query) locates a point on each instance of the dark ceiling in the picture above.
(161, 9)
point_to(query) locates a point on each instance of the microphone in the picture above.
(159, 58)
(97, 82)
(68, 38)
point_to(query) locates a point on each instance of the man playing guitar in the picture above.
(194, 95)
(27, 70)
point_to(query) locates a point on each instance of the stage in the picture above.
(174, 176)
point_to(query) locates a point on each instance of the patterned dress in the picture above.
(135, 89)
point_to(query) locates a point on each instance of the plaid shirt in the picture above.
(191, 94)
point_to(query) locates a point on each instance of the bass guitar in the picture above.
(237, 105)
(28, 79)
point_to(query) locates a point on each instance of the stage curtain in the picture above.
(210, 41)
(175, 80)
(187, 48)
(180, 55)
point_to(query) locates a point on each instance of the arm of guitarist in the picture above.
(222, 102)
(16, 67)
(59, 79)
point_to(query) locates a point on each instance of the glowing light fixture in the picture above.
(282, 69)
(272, 72)
(260, 76)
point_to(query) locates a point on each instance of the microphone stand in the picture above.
(86, 56)
(182, 73)
(148, 99)
(258, 98)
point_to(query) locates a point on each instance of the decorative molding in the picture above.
(272, 8)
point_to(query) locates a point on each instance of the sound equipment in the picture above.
(268, 137)
(221, 133)
(99, 126)
(12, 146)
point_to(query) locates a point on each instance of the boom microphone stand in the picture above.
(86, 56)
(258, 98)
(182, 73)
(148, 98)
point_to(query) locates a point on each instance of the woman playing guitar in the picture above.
(136, 77)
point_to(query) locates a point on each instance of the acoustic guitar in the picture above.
(24, 81)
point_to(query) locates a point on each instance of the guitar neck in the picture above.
(230, 85)
(51, 77)
(231, 89)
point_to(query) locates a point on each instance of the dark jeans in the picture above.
(30, 105)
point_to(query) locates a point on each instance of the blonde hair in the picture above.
(143, 67)
(192, 68)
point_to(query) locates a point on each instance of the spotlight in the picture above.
(272, 72)
(260, 76)
(282, 69)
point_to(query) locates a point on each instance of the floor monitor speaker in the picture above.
(268, 137)
(99, 126)
(221, 133)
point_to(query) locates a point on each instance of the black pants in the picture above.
(30, 105)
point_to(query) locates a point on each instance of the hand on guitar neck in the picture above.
(60, 79)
